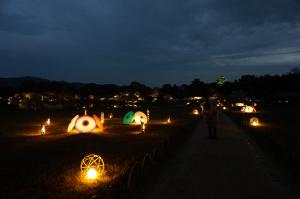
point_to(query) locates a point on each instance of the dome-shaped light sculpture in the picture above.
(92, 166)
(140, 117)
(248, 109)
(128, 117)
(85, 124)
(254, 121)
(239, 104)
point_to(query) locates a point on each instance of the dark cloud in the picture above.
(158, 41)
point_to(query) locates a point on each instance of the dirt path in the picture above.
(215, 169)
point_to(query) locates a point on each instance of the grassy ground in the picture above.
(278, 135)
(35, 166)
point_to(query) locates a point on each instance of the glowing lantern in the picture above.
(169, 120)
(239, 104)
(224, 108)
(111, 116)
(43, 130)
(128, 118)
(143, 127)
(92, 166)
(248, 109)
(140, 117)
(48, 121)
(195, 112)
(254, 121)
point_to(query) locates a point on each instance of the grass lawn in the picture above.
(35, 166)
(278, 136)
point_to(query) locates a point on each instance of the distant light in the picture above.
(169, 120)
(239, 104)
(224, 108)
(48, 121)
(195, 112)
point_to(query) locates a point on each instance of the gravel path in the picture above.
(227, 167)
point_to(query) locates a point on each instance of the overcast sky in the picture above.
(150, 41)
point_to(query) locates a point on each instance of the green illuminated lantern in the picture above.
(128, 118)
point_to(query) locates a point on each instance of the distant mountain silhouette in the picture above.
(18, 81)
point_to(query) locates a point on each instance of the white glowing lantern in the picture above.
(92, 166)
(195, 112)
(254, 121)
(248, 109)
(140, 117)
(224, 108)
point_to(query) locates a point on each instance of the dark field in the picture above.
(35, 166)
(278, 135)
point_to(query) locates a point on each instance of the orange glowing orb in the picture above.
(92, 166)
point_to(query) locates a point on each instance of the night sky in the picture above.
(153, 42)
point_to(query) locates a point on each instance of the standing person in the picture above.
(210, 116)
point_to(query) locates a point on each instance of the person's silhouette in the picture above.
(210, 116)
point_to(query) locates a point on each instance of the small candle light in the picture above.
(48, 121)
(43, 130)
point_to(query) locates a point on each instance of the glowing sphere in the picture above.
(248, 109)
(128, 118)
(91, 174)
(195, 112)
(254, 121)
(85, 124)
(92, 166)
(140, 117)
